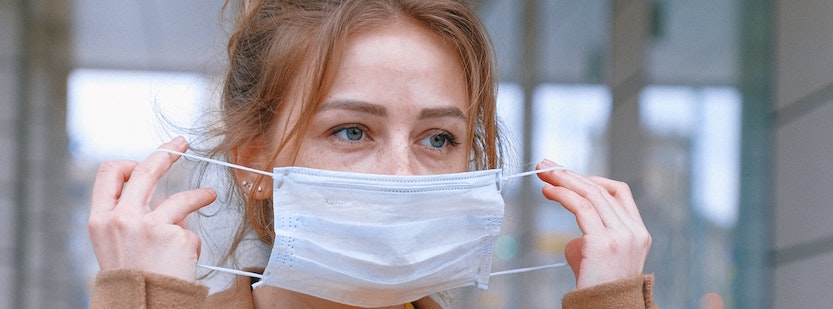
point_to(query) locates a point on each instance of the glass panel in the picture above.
(568, 127)
(118, 114)
(692, 182)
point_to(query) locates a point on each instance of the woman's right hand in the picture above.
(127, 233)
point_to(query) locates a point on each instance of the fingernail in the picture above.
(548, 163)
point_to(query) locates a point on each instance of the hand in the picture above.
(615, 242)
(127, 233)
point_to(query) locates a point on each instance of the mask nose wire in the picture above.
(235, 166)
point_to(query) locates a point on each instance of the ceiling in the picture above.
(694, 42)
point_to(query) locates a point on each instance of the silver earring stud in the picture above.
(246, 185)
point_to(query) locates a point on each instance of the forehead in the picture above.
(400, 59)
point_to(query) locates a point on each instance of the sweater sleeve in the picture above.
(128, 288)
(634, 292)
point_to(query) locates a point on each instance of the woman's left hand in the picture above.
(614, 241)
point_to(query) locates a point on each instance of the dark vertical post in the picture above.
(752, 285)
(529, 80)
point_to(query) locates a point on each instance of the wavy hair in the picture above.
(280, 48)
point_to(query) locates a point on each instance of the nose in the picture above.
(396, 159)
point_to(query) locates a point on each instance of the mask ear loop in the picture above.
(494, 274)
(500, 182)
(223, 163)
(505, 179)
(235, 166)
(527, 269)
(232, 271)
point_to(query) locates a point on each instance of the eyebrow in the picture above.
(440, 112)
(358, 106)
(381, 111)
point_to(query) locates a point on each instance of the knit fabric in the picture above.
(634, 292)
(128, 289)
(125, 288)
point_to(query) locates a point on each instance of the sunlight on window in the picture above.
(118, 114)
(710, 119)
(510, 111)
(570, 122)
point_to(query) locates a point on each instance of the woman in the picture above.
(388, 87)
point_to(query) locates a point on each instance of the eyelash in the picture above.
(337, 131)
(450, 139)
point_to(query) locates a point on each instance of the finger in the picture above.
(143, 180)
(109, 183)
(622, 194)
(174, 209)
(614, 205)
(595, 195)
(587, 217)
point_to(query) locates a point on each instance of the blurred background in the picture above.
(716, 112)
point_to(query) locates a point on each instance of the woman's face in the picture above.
(397, 106)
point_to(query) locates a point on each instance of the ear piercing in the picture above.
(249, 185)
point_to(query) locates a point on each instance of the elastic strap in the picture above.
(494, 274)
(223, 163)
(543, 170)
(527, 269)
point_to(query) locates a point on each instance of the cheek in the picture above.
(315, 155)
(460, 163)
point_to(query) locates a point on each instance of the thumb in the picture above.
(572, 252)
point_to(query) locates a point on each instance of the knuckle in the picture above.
(106, 167)
(109, 167)
(192, 239)
(148, 221)
(142, 169)
(96, 225)
(628, 237)
(584, 208)
(647, 240)
(621, 187)
(595, 194)
(641, 238)
(115, 223)
(611, 245)
(120, 222)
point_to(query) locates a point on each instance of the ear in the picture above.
(252, 154)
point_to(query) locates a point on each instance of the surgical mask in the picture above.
(378, 240)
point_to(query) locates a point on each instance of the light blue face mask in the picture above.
(378, 240)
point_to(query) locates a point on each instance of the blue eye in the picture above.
(350, 134)
(439, 140)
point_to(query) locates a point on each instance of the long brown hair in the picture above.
(292, 47)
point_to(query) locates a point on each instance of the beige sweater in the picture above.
(125, 288)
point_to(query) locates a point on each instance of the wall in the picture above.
(803, 149)
(33, 67)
